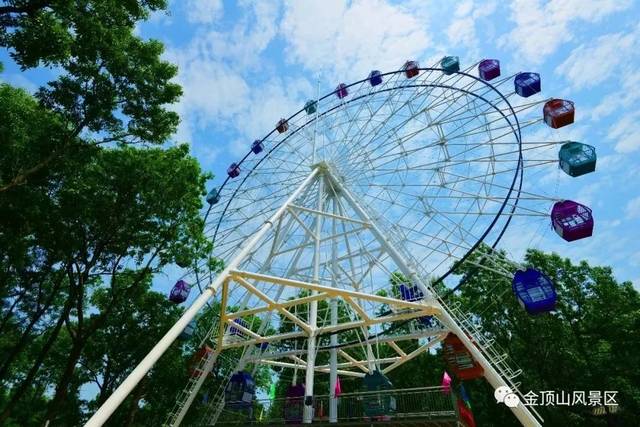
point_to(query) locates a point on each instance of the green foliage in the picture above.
(91, 213)
(112, 88)
(590, 342)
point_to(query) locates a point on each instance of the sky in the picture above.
(243, 65)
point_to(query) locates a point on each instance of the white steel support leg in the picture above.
(313, 316)
(333, 356)
(522, 412)
(127, 386)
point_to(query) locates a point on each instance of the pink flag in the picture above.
(338, 388)
(446, 383)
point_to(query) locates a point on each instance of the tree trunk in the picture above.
(26, 335)
(24, 386)
(9, 314)
(134, 406)
(62, 387)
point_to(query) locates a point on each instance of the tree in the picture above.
(88, 207)
(113, 86)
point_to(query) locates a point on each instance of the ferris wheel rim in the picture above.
(515, 130)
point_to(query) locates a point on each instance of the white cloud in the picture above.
(626, 132)
(620, 99)
(541, 29)
(203, 11)
(609, 52)
(633, 208)
(462, 29)
(217, 68)
(348, 40)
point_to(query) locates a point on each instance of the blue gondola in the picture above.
(237, 331)
(527, 84)
(413, 293)
(240, 392)
(375, 78)
(535, 291)
(188, 331)
(379, 406)
(257, 146)
(577, 159)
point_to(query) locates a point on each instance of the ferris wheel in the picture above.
(349, 214)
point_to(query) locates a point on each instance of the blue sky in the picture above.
(243, 65)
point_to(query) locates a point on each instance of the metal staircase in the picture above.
(496, 356)
(200, 370)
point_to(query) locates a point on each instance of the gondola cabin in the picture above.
(577, 159)
(450, 64)
(257, 146)
(571, 220)
(198, 360)
(342, 91)
(413, 293)
(534, 290)
(426, 321)
(527, 84)
(213, 197)
(459, 359)
(282, 126)
(180, 292)
(188, 331)
(410, 293)
(411, 69)
(489, 69)
(375, 78)
(311, 106)
(558, 113)
(294, 404)
(233, 170)
(237, 331)
(378, 406)
(240, 391)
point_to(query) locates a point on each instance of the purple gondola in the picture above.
(233, 170)
(179, 292)
(294, 404)
(571, 220)
(341, 90)
(534, 290)
(489, 69)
